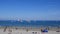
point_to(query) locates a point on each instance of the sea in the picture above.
(31, 23)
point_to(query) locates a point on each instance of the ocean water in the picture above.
(31, 23)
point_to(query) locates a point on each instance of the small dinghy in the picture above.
(44, 30)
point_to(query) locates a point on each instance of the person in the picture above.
(27, 30)
(5, 28)
(41, 30)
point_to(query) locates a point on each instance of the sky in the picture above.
(30, 9)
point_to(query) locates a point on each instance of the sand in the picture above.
(26, 31)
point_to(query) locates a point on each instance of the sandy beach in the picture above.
(27, 31)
